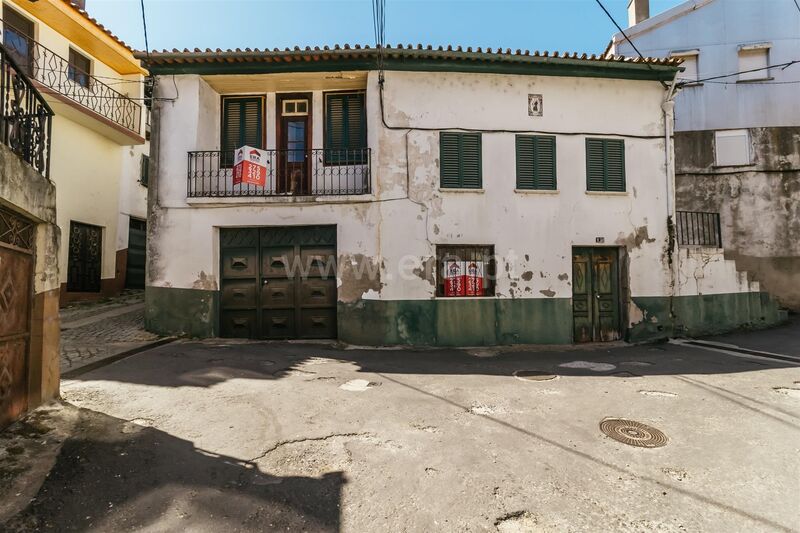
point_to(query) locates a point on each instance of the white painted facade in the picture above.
(407, 214)
(722, 37)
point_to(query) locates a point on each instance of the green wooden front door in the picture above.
(595, 294)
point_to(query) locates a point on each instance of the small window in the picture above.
(732, 148)
(144, 171)
(690, 65)
(605, 165)
(345, 129)
(754, 62)
(294, 108)
(460, 160)
(536, 162)
(79, 68)
(465, 271)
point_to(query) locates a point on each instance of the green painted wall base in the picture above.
(477, 321)
(456, 322)
(710, 314)
(181, 312)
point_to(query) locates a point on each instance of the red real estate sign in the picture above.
(250, 166)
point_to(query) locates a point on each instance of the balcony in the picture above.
(25, 117)
(319, 172)
(65, 82)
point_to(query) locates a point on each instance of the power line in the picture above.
(797, 5)
(649, 66)
(144, 26)
(782, 66)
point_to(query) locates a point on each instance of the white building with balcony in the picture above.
(459, 197)
(99, 148)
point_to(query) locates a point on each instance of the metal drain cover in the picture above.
(633, 433)
(533, 375)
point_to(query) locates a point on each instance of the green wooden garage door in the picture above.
(278, 282)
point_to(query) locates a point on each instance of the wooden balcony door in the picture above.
(293, 175)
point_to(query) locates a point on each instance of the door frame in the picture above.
(622, 284)
(281, 182)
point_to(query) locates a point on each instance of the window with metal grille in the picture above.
(536, 162)
(465, 270)
(144, 170)
(242, 125)
(345, 138)
(460, 160)
(79, 68)
(605, 165)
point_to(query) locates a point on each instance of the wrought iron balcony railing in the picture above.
(697, 228)
(57, 74)
(319, 172)
(25, 117)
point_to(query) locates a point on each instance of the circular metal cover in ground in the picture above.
(533, 375)
(633, 433)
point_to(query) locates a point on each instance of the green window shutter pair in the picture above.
(345, 128)
(536, 162)
(605, 165)
(460, 160)
(242, 125)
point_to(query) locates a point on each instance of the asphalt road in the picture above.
(240, 436)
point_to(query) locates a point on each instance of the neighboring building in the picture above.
(471, 198)
(29, 245)
(96, 88)
(737, 141)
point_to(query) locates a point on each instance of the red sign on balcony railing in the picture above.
(250, 166)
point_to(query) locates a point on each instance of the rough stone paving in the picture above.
(103, 329)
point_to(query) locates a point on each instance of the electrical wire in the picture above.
(782, 66)
(599, 3)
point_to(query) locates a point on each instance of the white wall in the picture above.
(540, 228)
(717, 29)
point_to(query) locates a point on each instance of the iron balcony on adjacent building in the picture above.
(71, 79)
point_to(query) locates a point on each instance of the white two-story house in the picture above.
(455, 197)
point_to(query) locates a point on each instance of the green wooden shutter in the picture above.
(471, 161)
(345, 128)
(536, 162)
(615, 165)
(605, 165)
(449, 160)
(460, 160)
(242, 124)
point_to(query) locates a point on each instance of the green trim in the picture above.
(456, 322)
(181, 312)
(475, 63)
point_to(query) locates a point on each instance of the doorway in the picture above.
(137, 247)
(596, 294)
(294, 144)
(84, 261)
(17, 237)
(278, 282)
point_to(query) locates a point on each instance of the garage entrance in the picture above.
(278, 282)
(16, 293)
(595, 294)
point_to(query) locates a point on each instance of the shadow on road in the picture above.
(113, 475)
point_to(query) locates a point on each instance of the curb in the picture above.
(74, 373)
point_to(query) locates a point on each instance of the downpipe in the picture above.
(673, 258)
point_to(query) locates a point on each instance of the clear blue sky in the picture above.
(565, 25)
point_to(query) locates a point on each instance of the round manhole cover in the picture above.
(533, 375)
(633, 433)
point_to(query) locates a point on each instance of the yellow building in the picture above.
(99, 149)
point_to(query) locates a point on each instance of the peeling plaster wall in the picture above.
(759, 205)
(395, 229)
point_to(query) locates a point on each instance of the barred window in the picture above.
(465, 270)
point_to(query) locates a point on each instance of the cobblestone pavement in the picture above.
(92, 332)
